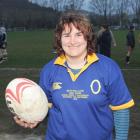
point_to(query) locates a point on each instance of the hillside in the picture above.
(19, 13)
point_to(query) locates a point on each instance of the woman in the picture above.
(86, 91)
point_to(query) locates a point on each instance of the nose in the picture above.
(72, 40)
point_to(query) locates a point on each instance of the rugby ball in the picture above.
(26, 99)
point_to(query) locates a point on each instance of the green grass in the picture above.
(29, 49)
(32, 49)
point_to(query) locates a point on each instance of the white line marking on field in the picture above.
(30, 69)
(131, 69)
(20, 69)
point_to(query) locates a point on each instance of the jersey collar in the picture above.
(62, 59)
(90, 59)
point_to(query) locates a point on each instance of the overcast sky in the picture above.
(85, 5)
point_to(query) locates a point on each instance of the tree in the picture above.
(75, 4)
(136, 9)
(61, 5)
(122, 10)
(104, 8)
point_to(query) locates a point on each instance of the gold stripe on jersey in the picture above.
(123, 106)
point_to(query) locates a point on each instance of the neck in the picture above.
(76, 63)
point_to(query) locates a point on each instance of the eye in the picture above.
(66, 35)
(79, 34)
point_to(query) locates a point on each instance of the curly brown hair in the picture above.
(82, 23)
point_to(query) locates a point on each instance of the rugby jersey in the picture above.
(83, 103)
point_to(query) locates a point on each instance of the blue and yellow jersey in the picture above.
(83, 103)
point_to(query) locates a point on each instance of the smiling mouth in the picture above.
(74, 46)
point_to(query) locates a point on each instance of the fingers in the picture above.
(19, 121)
(24, 124)
(33, 125)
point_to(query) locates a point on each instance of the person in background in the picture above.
(1, 50)
(86, 91)
(3, 44)
(105, 40)
(130, 43)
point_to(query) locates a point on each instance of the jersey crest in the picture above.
(95, 86)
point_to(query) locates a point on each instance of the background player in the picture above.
(105, 40)
(130, 42)
(3, 44)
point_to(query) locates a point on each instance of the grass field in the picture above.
(32, 49)
(29, 49)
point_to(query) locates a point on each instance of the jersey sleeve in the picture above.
(118, 93)
(45, 82)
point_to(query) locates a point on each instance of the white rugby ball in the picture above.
(26, 99)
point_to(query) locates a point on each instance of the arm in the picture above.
(113, 39)
(121, 122)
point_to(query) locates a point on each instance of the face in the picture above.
(73, 42)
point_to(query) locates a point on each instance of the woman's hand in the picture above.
(25, 124)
